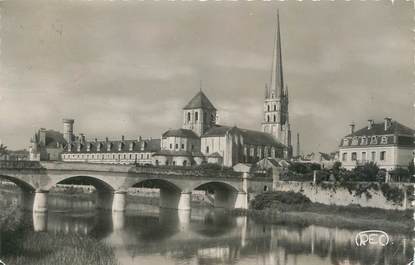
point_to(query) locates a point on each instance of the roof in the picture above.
(53, 139)
(200, 101)
(172, 153)
(249, 136)
(185, 133)
(379, 129)
(144, 145)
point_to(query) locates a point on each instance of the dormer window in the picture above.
(355, 141)
(363, 141)
(98, 147)
(109, 147)
(374, 140)
(131, 146)
(79, 148)
(120, 145)
(345, 142)
(384, 140)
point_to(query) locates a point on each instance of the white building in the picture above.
(389, 144)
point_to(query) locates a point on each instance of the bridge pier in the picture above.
(119, 201)
(175, 200)
(112, 201)
(40, 202)
(118, 220)
(230, 200)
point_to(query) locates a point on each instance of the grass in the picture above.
(291, 208)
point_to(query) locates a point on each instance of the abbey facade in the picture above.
(199, 140)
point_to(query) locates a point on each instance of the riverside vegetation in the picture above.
(295, 208)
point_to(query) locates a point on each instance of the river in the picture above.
(148, 235)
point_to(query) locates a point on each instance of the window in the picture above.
(363, 141)
(265, 188)
(188, 117)
(171, 146)
(267, 118)
(207, 149)
(192, 147)
(196, 116)
(157, 162)
(184, 163)
(268, 108)
(355, 141)
(373, 156)
(384, 140)
(148, 156)
(174, 163)
(275, 107)
(275, 118)
(382, 155)
(176, 146)
(142, 156)
(374, 140)
(252, 151)
(363, 156)
(344, 156)
(124, 156)
(345, 142)
(182, 146)
(131, 156)
(354, 156)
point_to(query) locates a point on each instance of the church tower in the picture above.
(199, 114)
(276, 118)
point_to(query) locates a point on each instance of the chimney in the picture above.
(388, 123)
(82, 138)
(369, 124)
(352, 125)
(106, 139)
(139, 138)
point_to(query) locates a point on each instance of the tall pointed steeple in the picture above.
(277, 81)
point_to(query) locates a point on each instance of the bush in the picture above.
(270, 199)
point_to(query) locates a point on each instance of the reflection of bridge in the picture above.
(112, 181)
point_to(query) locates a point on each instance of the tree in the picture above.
(411, 167)
(366, 172)
(3, 150)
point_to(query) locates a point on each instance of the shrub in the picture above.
(269, 199)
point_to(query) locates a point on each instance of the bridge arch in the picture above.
(22, 184)
(223, 194)
(172, 195)
(98, 183)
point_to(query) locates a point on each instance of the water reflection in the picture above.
(202, 236)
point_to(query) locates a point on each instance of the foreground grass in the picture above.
(19, 245)
(277, 209)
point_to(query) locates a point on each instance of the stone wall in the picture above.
(341, 196)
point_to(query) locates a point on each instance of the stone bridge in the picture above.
(112, 182)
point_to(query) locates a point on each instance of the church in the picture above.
(200, 139)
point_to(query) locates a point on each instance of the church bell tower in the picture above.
(276, 118)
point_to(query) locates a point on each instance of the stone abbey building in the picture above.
(199, 140)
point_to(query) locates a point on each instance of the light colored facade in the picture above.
(388, 144)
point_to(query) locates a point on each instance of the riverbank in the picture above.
(303, 213)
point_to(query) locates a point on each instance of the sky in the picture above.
(128, 67)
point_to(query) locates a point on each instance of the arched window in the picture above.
(268, 108)
(207, 149)
(188, 116)
(275, 107)
(275, 118)
(196, 116)
(267, 118)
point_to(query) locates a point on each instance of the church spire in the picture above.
(277, 82)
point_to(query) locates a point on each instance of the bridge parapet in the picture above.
(20, 165)
(186, 171)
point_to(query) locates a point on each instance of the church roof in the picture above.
(200, 101)
(249, 136)
(379, 129)
(184, 133)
